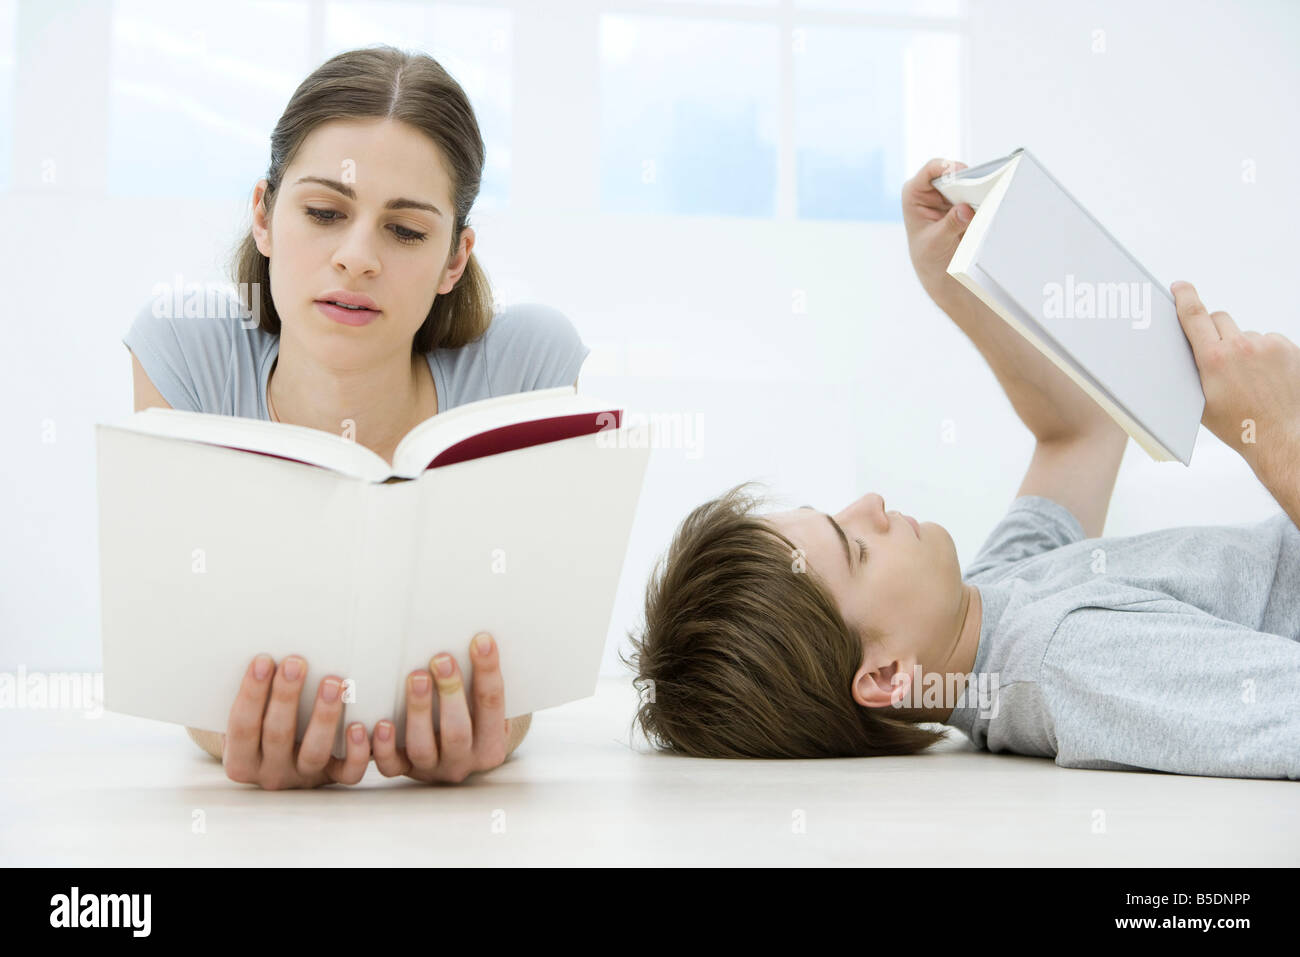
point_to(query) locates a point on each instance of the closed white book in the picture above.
(1047, 267)
(223, 537)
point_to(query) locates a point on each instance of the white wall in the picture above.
(694, 314)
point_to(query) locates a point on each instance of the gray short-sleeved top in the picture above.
(213, 363)
(1175, 650)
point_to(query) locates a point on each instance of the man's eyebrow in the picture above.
(350, 193)
(844, 540)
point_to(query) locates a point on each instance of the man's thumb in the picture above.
(959, 217)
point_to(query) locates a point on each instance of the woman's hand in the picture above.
(462, 745)
(934, 228)
(258, 746)
(1251, 383)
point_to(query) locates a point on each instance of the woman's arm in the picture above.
(209, 741)
(517, 731)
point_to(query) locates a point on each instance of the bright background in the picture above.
(708, 190)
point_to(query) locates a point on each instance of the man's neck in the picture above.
(374, 405)
(958, 658)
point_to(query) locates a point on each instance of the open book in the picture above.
(223, 537)
(1041, 261)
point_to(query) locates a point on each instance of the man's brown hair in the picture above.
(745, 654)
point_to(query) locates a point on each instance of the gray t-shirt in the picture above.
(214, 364)
(1175, 650)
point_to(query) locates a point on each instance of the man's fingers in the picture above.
(1197, 324)
(1224, 324)
(920, 187)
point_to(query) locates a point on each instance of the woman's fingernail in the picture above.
(293, 668)
(358, 734)
(384, 731)
(420, 683)
(261, 667)
(444, 665)
(484, 643)
(330, 690)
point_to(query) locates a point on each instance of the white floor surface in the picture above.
(123, 791)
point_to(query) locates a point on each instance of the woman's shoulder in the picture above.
(534, 323)
(527, 346)
(194, 349)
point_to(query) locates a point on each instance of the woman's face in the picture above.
(333, 228)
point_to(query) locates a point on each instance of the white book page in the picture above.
(972, 186)
(528, 546)
(208, 557)
(424, 442)
(297, 442)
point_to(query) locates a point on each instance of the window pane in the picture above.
(194, 91)
(869, 106)
(472, 44)
(915, 8)
(736, 3)
(8, 60)
(688, 116)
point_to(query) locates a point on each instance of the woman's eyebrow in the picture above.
(844, 540)
(350, 193)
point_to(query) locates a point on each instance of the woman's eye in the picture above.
(404, 235)
(862, 550)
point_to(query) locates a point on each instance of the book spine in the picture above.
(382, 587)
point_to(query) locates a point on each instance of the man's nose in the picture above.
(871, 507)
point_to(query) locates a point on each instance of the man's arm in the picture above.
(1048, 401)
(1078, 473)
(1052, 407)
(1252, 393)
(1077, 457)
(1279, 471)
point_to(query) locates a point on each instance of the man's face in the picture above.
(908, 585)
(320, 240)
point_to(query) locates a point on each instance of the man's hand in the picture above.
(1052, 407)
(1251, 383)
(934, 228)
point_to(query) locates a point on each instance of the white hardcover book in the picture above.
(1044, 264)
(223, 537)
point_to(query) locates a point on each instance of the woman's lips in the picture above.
(915, 527)
(349, 317)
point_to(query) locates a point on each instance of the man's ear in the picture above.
(457, 263)
(261, 223)
(883, 678)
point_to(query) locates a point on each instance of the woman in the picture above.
(373, 315)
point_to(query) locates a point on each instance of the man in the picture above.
(798, 634)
